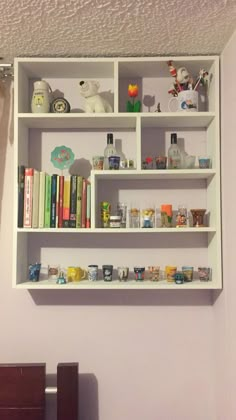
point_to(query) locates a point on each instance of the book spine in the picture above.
(57, 202)
(21, 186)
(47, 207)
(53, 200)
(28, 197)
(79, 201)
(88, 206)
(66, 202)
(73, 199)
(84, 203)
(35, 212)
(60, 206)
(42, 176)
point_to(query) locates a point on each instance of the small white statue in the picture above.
(94, 102)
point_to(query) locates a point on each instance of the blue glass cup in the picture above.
(34, 271)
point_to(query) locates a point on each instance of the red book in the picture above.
(84, 203)
(28, 197)
(60, 205)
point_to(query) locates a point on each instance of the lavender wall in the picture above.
(142, 354)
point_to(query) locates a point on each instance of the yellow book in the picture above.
(66, 202)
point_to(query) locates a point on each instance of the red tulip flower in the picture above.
(133, 92)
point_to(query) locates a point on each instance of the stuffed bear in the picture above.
(94, 102)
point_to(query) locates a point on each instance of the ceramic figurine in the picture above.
(94, 102)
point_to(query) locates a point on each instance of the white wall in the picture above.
(142, 355)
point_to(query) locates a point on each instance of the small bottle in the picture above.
(109, 150)
(174, 153)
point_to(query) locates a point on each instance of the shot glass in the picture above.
(161, 162)
(122, 212)
(134, 217)
(139, 273)
(170, 271)
(123, 273)
(98, 162)
(204, 162)
(188, 273)
(107, 271)
(204, 273)
(34, 271)
(154, 272)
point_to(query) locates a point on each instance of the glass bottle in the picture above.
(174, 153)
(109, 150)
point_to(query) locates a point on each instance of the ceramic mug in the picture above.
(93, 272)
(123, 273)
(187, 100)
(76, 274)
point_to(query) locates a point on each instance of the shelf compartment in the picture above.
(177, 119)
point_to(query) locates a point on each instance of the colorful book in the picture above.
(66, 202)
(35, 213)
(53, 200)
(73, 199)
(60, 204)
(88, 206)
(42, 176)
(57, 202)
(28, 197)
(84, 203)
(47, 204)
(79, 201)
(21, 186)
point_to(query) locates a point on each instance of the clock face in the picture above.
(60, 105)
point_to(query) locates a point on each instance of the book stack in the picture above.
(53, 201)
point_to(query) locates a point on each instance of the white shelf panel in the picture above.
(120, 230)
(177, 119)
(155, 174)
(77, 120)
(121, 120)
(116, 284)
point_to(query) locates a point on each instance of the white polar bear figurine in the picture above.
(94, 102)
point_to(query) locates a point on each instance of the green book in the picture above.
(47, 208)
(79, 201)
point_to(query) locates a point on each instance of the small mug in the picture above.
(139, 273)
(123, 273)
(114, 162)
(154, 273)
(187, 100)
(76, 274)
(98, 162)
(204, 273)
(204, 162)
(161, 162)
(170, 272)
(34, 271)
(107, 272)
(93, 272)
(53, 271)
(188, 273)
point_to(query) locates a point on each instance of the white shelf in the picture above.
(119, 230)
(155, 174)
(117, 285)
(141, 134)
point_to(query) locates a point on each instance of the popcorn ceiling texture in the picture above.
(114, 27)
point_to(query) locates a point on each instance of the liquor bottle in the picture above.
(109, 150)
(174, 153)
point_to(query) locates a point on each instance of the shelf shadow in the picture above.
(87, 398)
(124, 297)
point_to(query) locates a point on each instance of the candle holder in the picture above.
(198, 217)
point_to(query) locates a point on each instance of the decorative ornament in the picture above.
(60, 105)
(134, 106)
(62, 157)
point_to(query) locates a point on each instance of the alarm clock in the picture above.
(60, 105)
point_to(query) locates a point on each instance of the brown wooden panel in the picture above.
(22, 385)
(67, 391)
(21, 414)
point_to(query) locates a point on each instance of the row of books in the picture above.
(53, 201)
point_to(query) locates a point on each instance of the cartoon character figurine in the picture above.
(61, 278)
(183, 80)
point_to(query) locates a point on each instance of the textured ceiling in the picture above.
(114, 27)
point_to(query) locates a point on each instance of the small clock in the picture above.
(60, 105)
